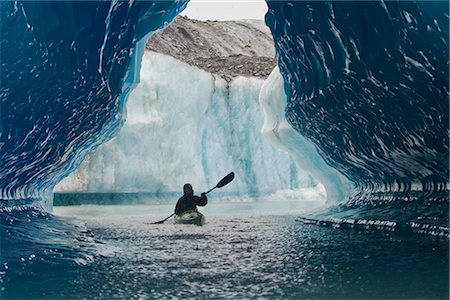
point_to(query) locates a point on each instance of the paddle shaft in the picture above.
(162, 221)
(168, 217)
(211, 190)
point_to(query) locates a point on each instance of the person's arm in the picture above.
(202, 200)
(179, 207)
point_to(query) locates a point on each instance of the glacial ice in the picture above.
(281, 134)
(185, 125)
(367, 83)
(67, 68)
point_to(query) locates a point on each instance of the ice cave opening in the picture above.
(205, 106)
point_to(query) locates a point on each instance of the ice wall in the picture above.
(305, 153)
(368, 83)
(66, 70)
(185, 125)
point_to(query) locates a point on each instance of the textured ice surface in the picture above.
(367, 83)
(66, 71)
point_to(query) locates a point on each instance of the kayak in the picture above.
(190, 217)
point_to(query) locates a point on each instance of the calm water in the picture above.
(241, 252)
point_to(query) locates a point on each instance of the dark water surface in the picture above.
(234, 256)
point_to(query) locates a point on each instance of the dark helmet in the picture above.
(187, 188)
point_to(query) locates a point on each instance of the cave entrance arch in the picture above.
(195, 114)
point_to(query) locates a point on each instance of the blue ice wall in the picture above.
(66, 70)
(367, 82)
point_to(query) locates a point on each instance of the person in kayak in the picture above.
(188, 201)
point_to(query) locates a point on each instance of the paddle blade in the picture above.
(226, 180)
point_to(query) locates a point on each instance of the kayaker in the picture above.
(188, 201)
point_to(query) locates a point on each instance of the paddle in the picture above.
(226, 180)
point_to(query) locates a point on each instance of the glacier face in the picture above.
(186, 125)
(367, 83)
